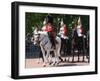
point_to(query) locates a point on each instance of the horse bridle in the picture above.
(39, 36)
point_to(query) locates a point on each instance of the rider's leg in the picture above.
(52, 39)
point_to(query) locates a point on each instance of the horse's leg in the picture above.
(84, 50)
(67, 54)
(69, 51)
(40, 55)
(48, 55)
(64, 51)
(50, 59)
(53, 59)
(73, 55)
(44, 57)
(79, 47)
(72, 50)
(78, 55)
(58, 52)
(88, 55)
(79, 51)
(88, 58)
(56, 57)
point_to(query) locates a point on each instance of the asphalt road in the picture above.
(35, 62)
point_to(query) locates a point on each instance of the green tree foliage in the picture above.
(36, 19)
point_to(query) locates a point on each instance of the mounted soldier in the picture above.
(64, 37)
(51, 30)
(78, 42)
(78, 33)
(63, 31)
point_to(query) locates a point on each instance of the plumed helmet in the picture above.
(44, 22)
(62, 22)
(49, 18)
(79, 21)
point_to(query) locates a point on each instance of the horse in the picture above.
(41, 38)
(78, 45)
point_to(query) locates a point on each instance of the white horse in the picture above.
(42, 39)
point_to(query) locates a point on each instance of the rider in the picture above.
(63, 31)
(64, 36)
(74, 36)
(79, 28)
(80, 32)
(51, 30)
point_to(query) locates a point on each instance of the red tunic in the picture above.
(65, 30)
(51, 30)
(82, 30)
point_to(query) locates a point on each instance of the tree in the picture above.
(36, 19)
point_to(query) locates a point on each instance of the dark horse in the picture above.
(78, 46)
(64, 47)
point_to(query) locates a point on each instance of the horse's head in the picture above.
(38, 37)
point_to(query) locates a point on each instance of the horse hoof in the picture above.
(38, 62)
(44, 65)
(64, 60)
(72, 60)
(56, 64)
(60, 59)
(68, 60)
(50, 63)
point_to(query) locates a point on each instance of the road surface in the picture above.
(35, 62)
